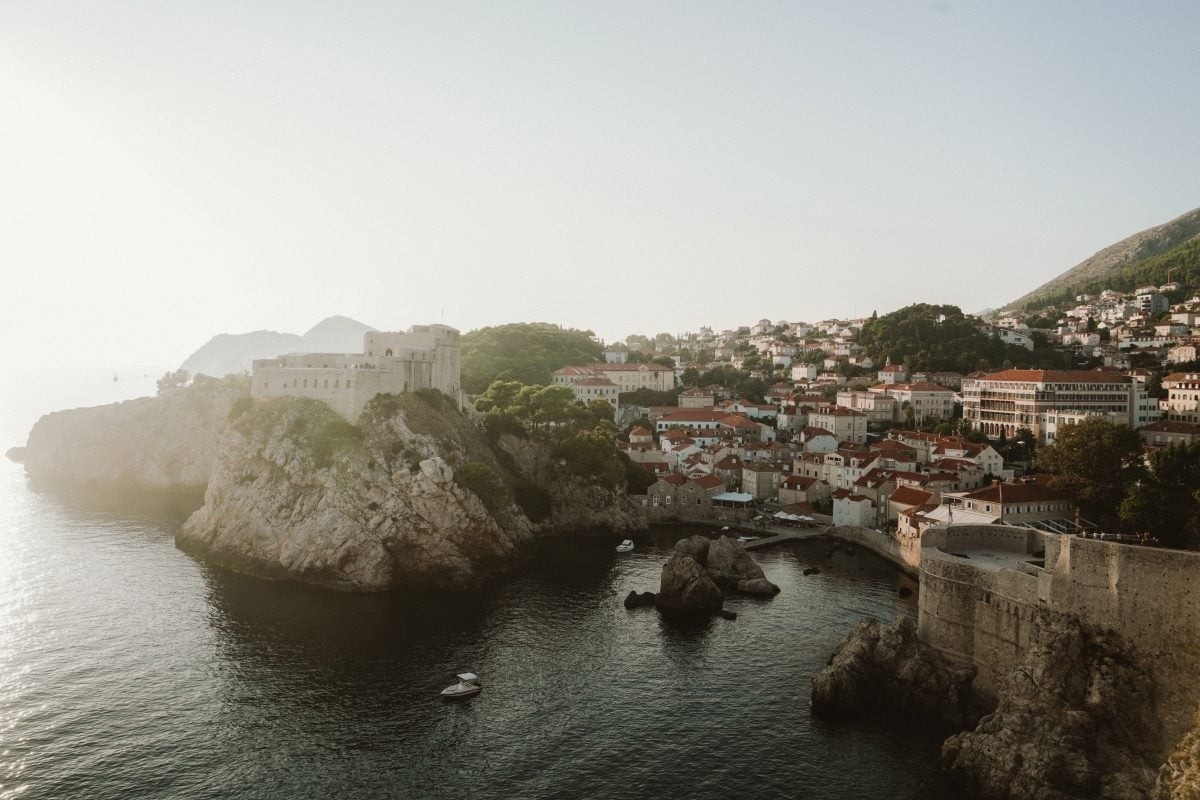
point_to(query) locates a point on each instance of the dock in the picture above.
(783, 536)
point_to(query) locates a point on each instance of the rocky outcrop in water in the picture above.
(1076, 720)
(887, 667)
(162, 443)
(700, 570)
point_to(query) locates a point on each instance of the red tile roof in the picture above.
(798, 482)
(910, 496)
(1016, 493)
(1055, 376)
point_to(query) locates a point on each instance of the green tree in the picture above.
(1166, 502)
(1094, 463)
(173, 380)
(528, 352)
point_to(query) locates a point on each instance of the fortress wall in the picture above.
(976, 616)
(333, 386)
(400, 376)
(974, 612)
(904, 552)
(1149, 595)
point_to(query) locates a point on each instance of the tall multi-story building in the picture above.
(1004, 401)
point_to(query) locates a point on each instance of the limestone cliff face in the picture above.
(1179, 778)
(1076, 720)
(880, 667)
(163, 443)
(297, 493)
(576, 506)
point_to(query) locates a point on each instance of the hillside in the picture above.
(233, 353)
(1119, 266)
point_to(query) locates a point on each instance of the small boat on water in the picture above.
(467, 686)
(744, 539)
(626, 546)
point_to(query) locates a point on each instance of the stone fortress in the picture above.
(423, 357)
(984, 587)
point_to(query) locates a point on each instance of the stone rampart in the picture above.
(983, 585)
(904, 552)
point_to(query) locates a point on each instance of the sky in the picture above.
(174, 170)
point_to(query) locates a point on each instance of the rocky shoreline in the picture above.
(413, 496)
(1074, 721)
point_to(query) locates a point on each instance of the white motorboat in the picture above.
(467, 686)
(625, 546)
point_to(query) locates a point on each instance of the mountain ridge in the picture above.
(1109, 262)
(233, 353)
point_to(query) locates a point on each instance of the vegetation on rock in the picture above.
(527, 352)
(942, 337)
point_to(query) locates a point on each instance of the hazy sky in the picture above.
(169, 171)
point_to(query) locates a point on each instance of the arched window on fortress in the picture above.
(306, 383)
(387, 352)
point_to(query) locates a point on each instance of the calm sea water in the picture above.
(130, 670)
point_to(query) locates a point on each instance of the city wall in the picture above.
(904, 552)
(983, 586)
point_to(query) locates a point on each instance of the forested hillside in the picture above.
(528, 352)
(929, 337)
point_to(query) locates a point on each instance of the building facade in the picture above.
(1003, 402)
(423, 357)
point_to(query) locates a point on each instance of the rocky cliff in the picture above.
(888, 667)
(162, 443)
(298, 493)
(411, 496)
(573, 505)
(1074, 720)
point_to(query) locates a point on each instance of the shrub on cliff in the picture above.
(592, 456)
(310, 425)
(480, 479)
(528, 352)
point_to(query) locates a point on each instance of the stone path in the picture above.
(781, 536)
